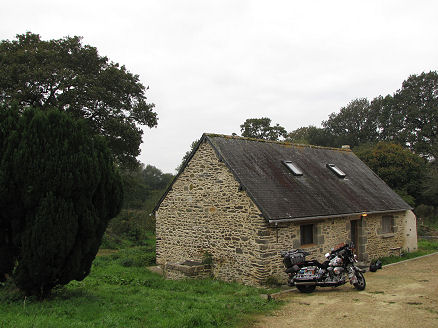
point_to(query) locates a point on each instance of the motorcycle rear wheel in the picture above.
(360, 285)
(306, 288)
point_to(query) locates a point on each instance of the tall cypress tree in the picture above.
(59, 189)
(8, 253)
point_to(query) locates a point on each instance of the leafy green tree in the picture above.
(430, 185)
(401, 169)
(260, 128)
(417, 105)
(71, 77)
(410, 116)
(355, 124)
(143, 188)
(187, 154)
(140, 183)
(387, 120)
(300, 135)
(155, 178)
(312, 135)
(136, 191)
(59, 189)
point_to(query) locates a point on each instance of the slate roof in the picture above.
(318, 193)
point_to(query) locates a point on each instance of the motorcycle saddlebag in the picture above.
(295, 258)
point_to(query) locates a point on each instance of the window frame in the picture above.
(292, 167)
(336, 170)
(387, 224)
(304, 234)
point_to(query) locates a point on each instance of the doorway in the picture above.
(354, 233)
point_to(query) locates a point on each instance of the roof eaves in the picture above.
(323, 217)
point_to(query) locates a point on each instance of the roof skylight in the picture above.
(336, 170)
(293, 168)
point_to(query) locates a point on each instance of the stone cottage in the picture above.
(243, 201)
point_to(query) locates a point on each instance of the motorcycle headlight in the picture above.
(327, 255)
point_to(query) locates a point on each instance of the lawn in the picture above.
(121, 292)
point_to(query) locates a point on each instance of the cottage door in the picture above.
(354, 233)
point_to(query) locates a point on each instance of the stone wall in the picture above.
(383, 244)
(207, 212)
(328, 234)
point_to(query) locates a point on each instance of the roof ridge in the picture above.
(286, 143)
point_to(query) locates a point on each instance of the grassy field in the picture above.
(424, 247)
(121, 292)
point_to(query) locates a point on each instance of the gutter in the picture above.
(321, 217)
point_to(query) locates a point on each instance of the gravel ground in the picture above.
(400, 295)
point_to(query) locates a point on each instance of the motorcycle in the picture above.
(339, 265)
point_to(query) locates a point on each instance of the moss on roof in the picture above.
(284, 143)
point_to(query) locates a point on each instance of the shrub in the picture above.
(58, 191)
(129, 228)
(207, 258)
(424, 211)
(272, 281)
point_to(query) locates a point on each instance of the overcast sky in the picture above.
(212, 64)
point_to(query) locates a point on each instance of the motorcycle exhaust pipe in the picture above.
(331, 284)
(321, 284)
(305, 283)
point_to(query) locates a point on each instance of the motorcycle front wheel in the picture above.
(360, 285)
(306, 288)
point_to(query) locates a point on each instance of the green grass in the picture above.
(424, 247)
(138, 256)
(118, 295)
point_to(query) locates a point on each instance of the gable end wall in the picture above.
(205, 212)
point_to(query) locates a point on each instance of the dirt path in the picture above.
(402, 295)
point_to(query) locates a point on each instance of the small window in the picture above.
(293, 168)
(336, 170)
(387, 224)
(306, 231)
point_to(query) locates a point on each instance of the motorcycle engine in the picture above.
(336, 261)
(338, 270)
